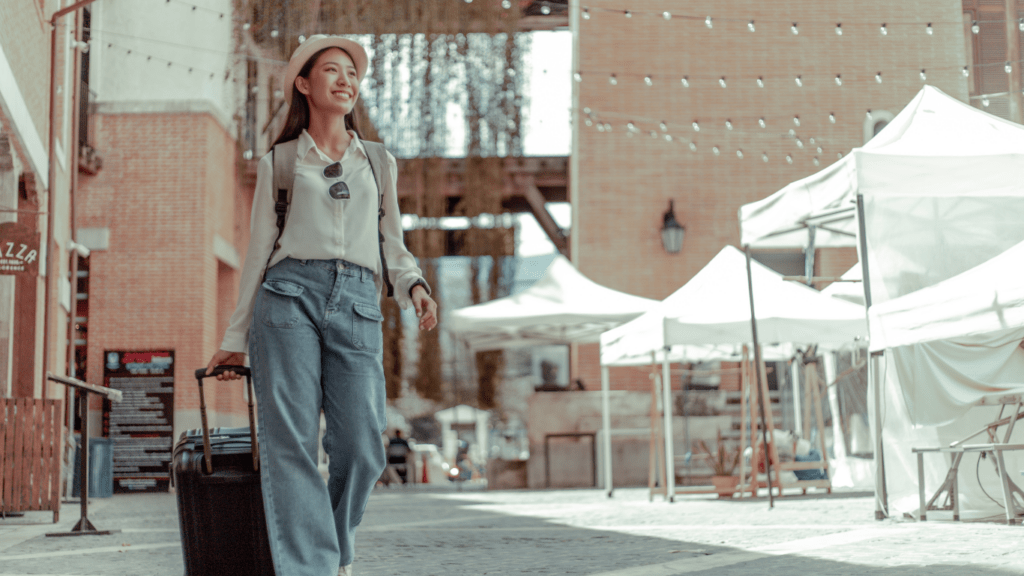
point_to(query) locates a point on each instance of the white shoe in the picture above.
(345, 570)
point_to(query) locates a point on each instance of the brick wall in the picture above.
(168, 184)
(624, 184)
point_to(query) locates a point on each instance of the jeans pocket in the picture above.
(366, 332)
(281, 303)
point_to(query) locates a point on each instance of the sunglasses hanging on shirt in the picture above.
(338, 190)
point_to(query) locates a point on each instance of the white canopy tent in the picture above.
(714, 309)
(936, 193)
(562, 307)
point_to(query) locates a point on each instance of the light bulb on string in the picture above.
(586, 109)
(666, 15)
(739, 154)
(600, 127)
(668, 137)
(663, 126)
(794, 29)
(816, 161)
(839, 155)
(868, 114)
(721, 81)
(613, 80)
(708, 22)
(586, 13)
(607, 127)
(764, 157)
(799, 81)
(648, 81)
(246, 26)
(966, 72)
(799, 143)
(884, 30)
(789, 159)
(1007, 68)
(693, 147)
(728, 124)
(545, 10)
(974, 27)
(715, 150)
(811, 141)
(750, 26)
(696, 126)
(760, 82)
(302, 38)
(984, 101)
(796, 120)
(653, 134)
(819, 149)
(839, 80)
(506, 4)
(760, 122)
(628, 14)
(878, 77)
(685, 81)
(929, 30)
(1020, 24)
(577, 77)
(631, 127)
(792, 133)
(839, 29)
(588, 122)
(274, 33)
(923, 75)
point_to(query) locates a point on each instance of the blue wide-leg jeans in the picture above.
(315, 344)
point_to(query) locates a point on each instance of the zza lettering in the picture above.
(23, 253)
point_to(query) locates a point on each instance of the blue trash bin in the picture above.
(101, 468)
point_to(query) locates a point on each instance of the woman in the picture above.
(312, 325)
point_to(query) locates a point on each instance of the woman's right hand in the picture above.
(222, 358)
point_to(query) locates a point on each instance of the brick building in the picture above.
(823, 77)
(27, 179)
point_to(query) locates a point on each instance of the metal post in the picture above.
(809, 256)
(881, 497)
(1013, 58)
(666, 404)
(606, 432)
(761, 397)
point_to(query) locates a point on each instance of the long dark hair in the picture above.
(298, 112)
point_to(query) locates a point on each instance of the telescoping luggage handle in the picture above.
(244, 371)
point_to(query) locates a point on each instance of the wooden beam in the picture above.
(540, 212)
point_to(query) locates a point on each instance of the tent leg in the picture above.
(606, 436)
(794, 375)
(666, 395)
(757, 371)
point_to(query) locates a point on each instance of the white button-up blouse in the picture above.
(322, 228)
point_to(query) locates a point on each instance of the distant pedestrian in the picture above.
(309, 311)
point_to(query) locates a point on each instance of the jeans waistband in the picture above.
(337, 264)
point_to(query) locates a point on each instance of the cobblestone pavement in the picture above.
(474, 533)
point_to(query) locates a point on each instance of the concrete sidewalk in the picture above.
(471, 533)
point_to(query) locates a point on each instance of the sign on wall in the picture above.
(19, 249)
(141, 426)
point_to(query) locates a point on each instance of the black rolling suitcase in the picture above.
(215, 473)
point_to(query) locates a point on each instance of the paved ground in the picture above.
(474, 533)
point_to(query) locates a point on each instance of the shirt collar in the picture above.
(306, 144)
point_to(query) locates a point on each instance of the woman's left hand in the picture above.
(426, 308)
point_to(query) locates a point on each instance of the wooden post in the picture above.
(766, 399)
(811, 373)
(1013, 58)
(743, 429)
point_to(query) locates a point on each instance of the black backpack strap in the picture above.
(377, 155)
(283, 160)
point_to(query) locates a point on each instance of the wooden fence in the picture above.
(31, 445)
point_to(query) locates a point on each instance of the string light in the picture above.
(761, 122)
(668, 137)
(794, 29)
(666, 15)
(721, 81)
(984, 101)
(588, 122)
(884, 30)
(923, 75)
(648, 81)
(1007, 68)
(929, 30)
(816, 161)
(799, 81)
(545, 10)
(764, 157)
(578, 77)
(631, 127)
(760, 82)
(715, 150)
(799, 143)
(613, 80)
(246, 26)
(693, 147)
(789, 159)
(506, 4)
(974, 27)
(966, 72)
(878, 77)
(1020, 24)
(750, 26)
(600, 127)
(696, 126)
(839, 155)
(819, 149)
(739, 154)
(586, 14)
(629, 14)
(796, 120)
(274, 33)
(653, 134)
(302, 38)
(685, 81)
(728, 124)
(708, 22)
(663, 126)
(839, 29)
(839, 79)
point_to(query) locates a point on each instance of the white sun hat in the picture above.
(314, 44)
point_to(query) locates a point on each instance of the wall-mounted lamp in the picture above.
(672, 232)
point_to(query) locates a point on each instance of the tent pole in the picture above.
(666, 401)
(606, 425)
(881, 497)
(794, 377)
(761, 398)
